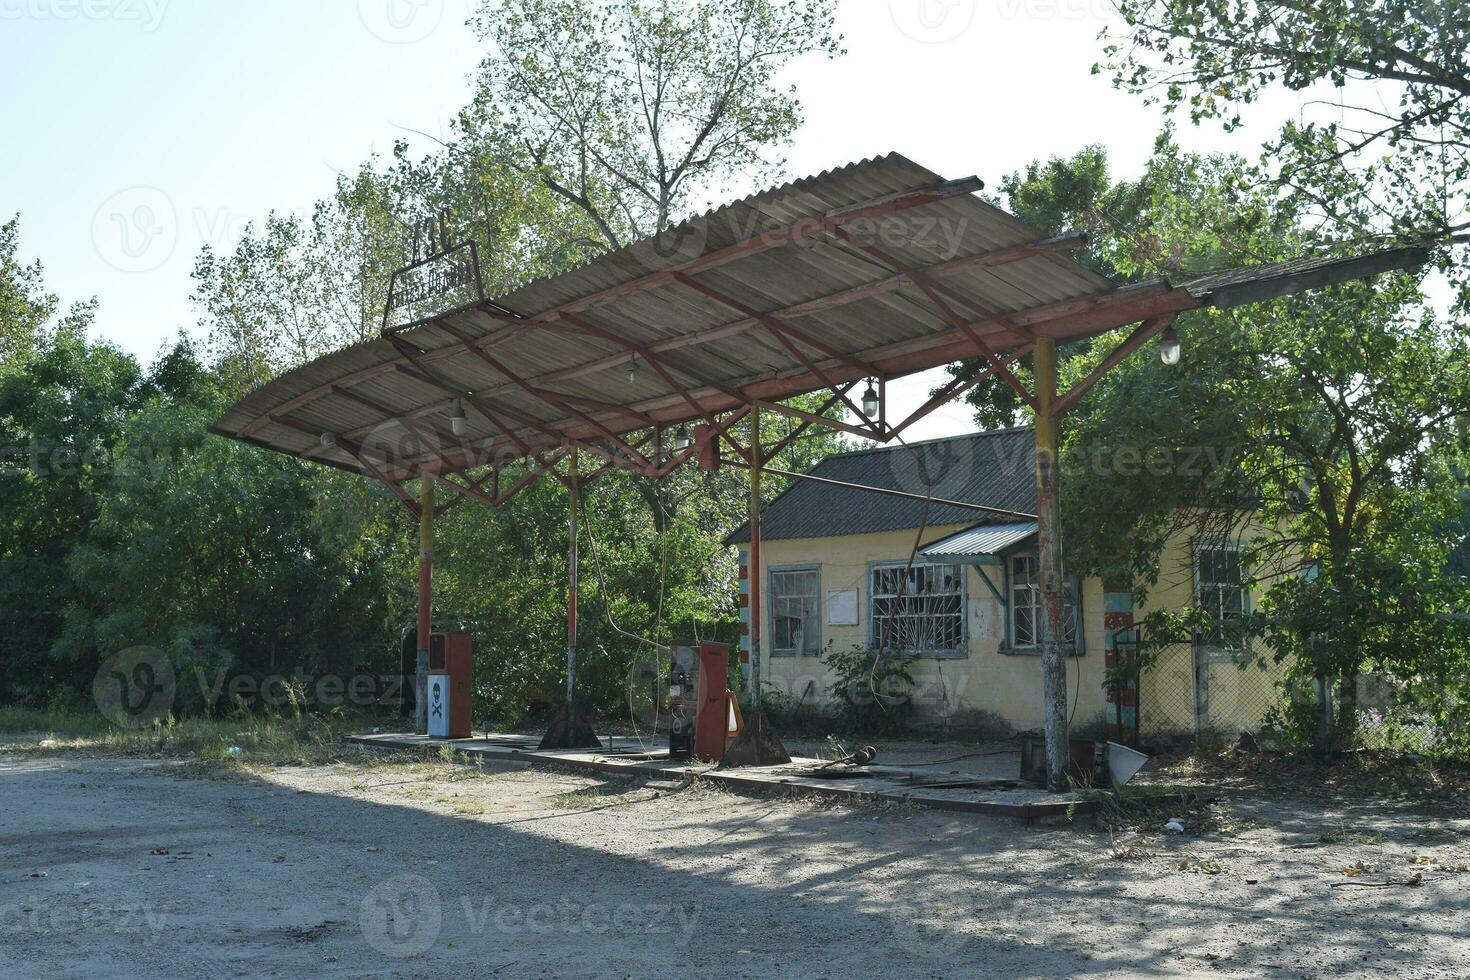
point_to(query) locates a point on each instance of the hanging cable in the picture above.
(904, 580)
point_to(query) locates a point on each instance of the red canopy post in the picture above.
(426, 600)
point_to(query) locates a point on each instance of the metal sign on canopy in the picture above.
(858, 275)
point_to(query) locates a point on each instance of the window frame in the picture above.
(1008, 644)
(1207, 642)
(815, 624)
(960, 653)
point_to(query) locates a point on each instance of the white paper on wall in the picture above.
(842, 607)
(979, 618)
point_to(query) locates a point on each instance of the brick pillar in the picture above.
(745, 615)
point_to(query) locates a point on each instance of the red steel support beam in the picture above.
(819, 418)
(1146, 330)
(955, 388)
(572, 491)
(920, 279)
(546, 397)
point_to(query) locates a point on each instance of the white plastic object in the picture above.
(1123, 763)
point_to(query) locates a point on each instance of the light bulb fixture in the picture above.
(632, 369)
(1169, 346)
(870, 401)
(329, 439)
(682, 439)
(457, 418)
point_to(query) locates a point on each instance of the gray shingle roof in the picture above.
(994, 469)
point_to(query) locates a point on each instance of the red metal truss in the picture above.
(927, 285)
(358, 453)
(956, 387)
(874, 207)
(542, 395)
(1072, 318)
(787, 335)
(1145, 331)
(654, 354)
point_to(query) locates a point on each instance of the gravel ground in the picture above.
(126, 868)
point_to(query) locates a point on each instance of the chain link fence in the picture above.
(1193, 690)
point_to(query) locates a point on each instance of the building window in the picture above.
(1220, 591)
(795, 612)
(1027, 609)
(918, 609)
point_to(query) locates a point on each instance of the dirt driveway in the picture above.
(121, 868)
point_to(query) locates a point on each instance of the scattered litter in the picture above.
(1413, 881)
(1247, 744)
(376, 731)
(234, 751)
(374, 849)
(160, 851)
(1208, 866)
(1123, 763)
(1174, 826)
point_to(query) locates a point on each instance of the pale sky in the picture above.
(195, 117)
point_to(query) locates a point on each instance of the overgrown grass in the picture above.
(579, 799)
(292, 740)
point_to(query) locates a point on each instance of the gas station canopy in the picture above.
(872, 270)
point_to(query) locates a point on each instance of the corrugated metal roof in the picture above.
(547, 363)
(983, 539)
(991, 469)
(882, 313)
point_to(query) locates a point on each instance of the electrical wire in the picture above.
(878, 697)
(596, 550)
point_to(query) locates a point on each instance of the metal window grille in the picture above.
(920, 609)
(1026, 606)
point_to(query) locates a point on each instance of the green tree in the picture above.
(1387, 154)
(293, 288)
(1331, 422)
(61, 415)
(27, 310)
(630, 111)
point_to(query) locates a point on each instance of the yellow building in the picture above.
(955, 588)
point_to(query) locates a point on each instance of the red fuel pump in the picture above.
(704, 712)
(450, 693)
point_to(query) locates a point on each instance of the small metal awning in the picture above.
(981, 541)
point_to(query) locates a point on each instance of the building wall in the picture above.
(1006, 686)
(987, 684)
(1232, 697)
